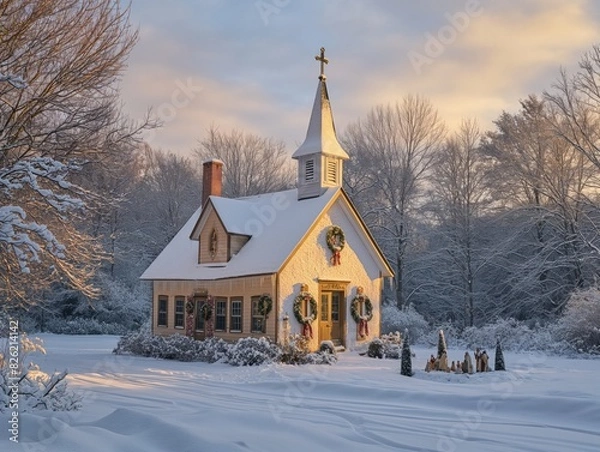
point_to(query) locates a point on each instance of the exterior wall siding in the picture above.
(245, 288)
(312, 264)
(213, 222)
(236, 243)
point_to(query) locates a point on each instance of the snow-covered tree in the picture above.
(499, 357)
(580, 324)
(459, 197)
(575, 102)
(394, 148)
(58, 112)
(441, 344)
(544, 189)
(406, 364)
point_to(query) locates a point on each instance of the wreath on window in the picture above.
(336, 241)
(265, 305)
(189, 307)
(362, 320)
(206, 311)
(305, 297)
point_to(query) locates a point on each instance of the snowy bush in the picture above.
(320, 357)
(139, 343)
(387, 346)
(212, 349)
(178, 348)
(394, 319)
(327, 347)
(375, 348)
(515, 336)
(244, 352)
(580, 324)
(117, 310)
(295, 350)
(251, 351)
(40, 391)
(37, 390)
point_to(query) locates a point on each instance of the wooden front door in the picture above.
(331, 316)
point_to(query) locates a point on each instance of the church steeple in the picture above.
(320, 157)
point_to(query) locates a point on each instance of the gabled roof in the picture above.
(321, 137)
(277, 223)
(233, 214)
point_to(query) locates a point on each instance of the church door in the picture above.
(331, 316)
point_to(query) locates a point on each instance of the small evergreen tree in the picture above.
(406, 365)
(499, 360)
(441, 344)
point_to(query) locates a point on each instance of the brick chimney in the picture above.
(212, 177)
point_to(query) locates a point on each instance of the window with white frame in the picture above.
(179, 311)
(163, 310)
(220, 314)
(235, 321)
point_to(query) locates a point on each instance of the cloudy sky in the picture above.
(250, 64)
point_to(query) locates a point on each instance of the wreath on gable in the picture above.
(336, 241)
(362, 320)
(206, 311)
(265, 305)
(305, 297)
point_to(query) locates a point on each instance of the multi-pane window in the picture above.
(324, 308)
(199, 314)
(235, 322)
(220, 314)
(335, 306)
(179, 311)
(257, 319)
(163, 302)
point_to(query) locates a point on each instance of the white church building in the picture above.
(299, 261)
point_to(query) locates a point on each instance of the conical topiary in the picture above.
(441, 344)
(499, 360)
(406, 365)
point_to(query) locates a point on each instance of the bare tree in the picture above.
(252, 164)
(546, 183)
(394, 147)
(575, 105)
(461, 191)
(168, 193)
(59, 63)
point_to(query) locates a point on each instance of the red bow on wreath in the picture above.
(335, 258)
(363, 328)
(307, 330)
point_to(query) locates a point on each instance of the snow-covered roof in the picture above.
(276, 222)
(321, 137)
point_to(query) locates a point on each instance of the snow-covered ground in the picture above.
(360, 404)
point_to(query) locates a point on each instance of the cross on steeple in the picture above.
(323, 61)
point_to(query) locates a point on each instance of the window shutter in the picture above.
(310, 170)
